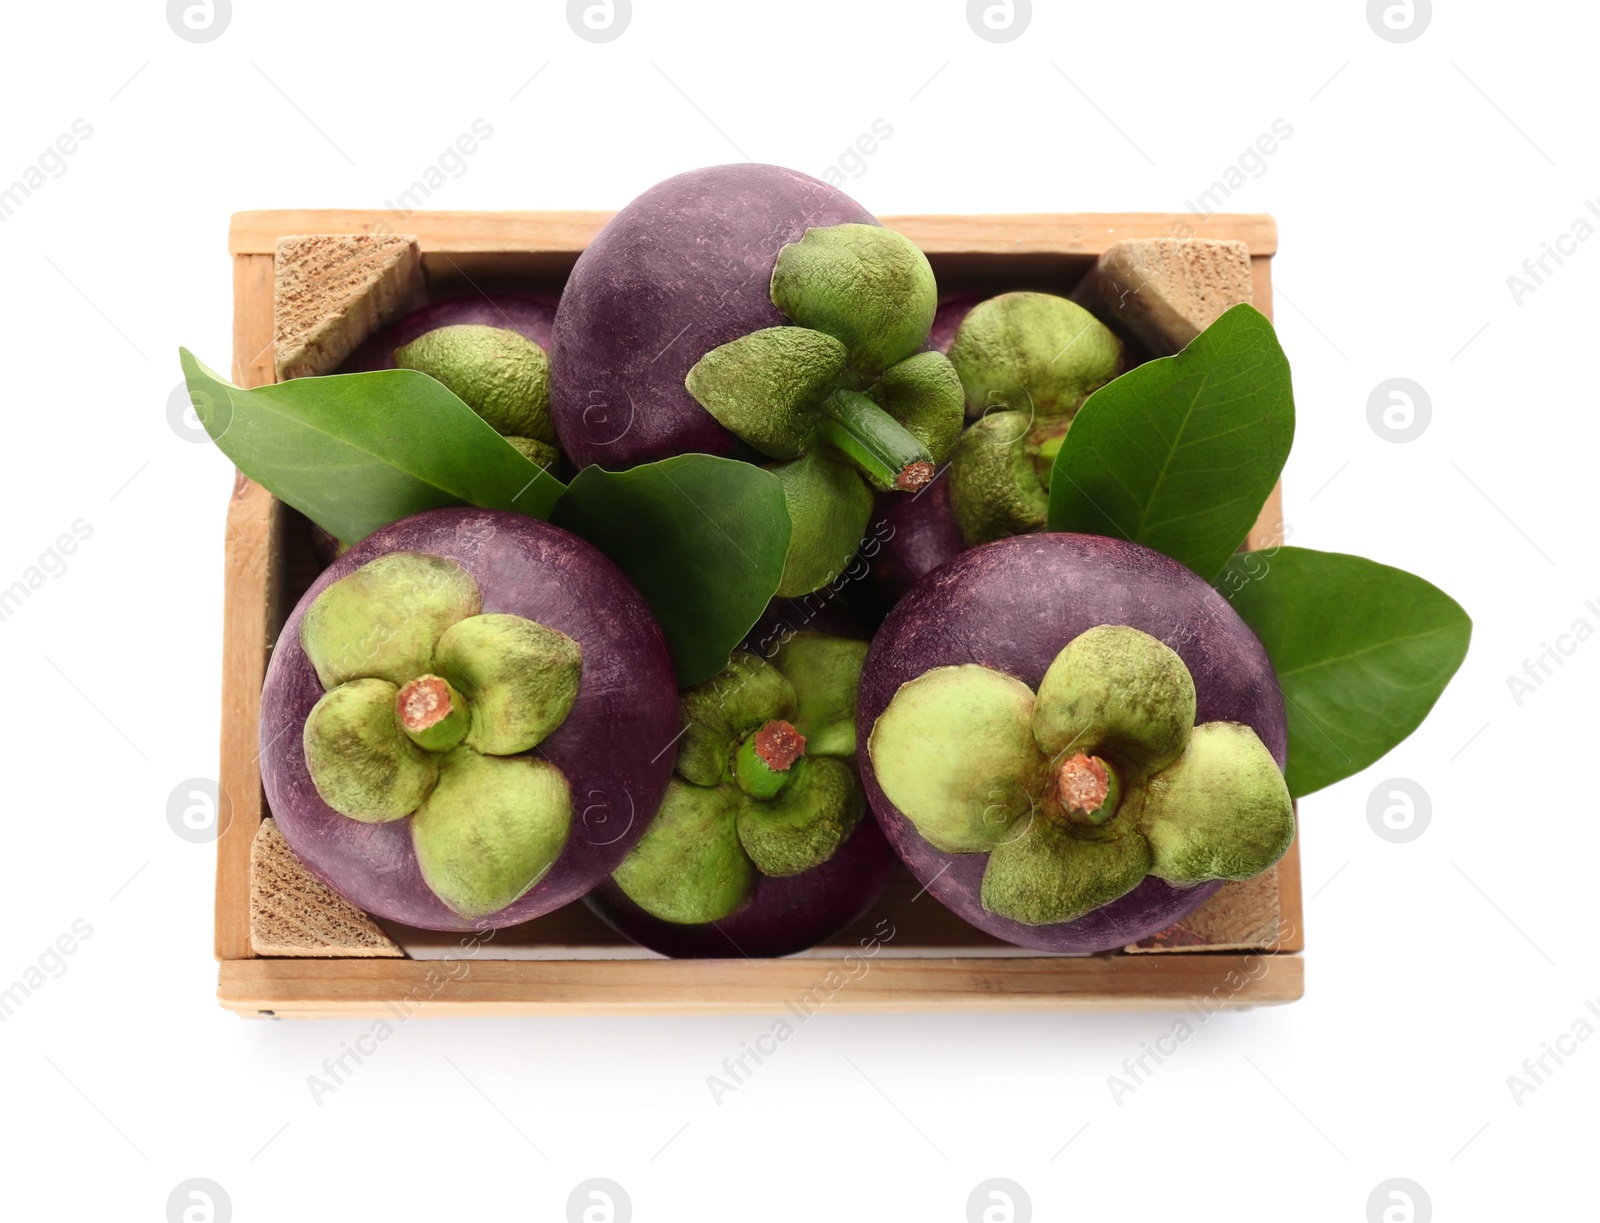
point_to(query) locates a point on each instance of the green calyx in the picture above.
(500, 374)
(845, 387)
(1026, 362)
(1000, 475)
(428, 705)
(764, 785)
(829, 507)
(1032, 352)
(1078, 792)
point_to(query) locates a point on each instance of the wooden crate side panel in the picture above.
(1086, 233)
(253, 550)
(405, 988)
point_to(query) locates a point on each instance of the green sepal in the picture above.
(1034, 353)
(360, 760)
(829, 507)
(689, 867)
(1049, 874)
(954, 751)
(764, 387)
(806, 822)
(825, 673)
(543, 455)
(492, 828)
(866, 286)
(500, 374)
(382, 621)
(995, 490)
(1117, 691)
(519, 677)
(924, 394)
(1221, 811)
(724, 710)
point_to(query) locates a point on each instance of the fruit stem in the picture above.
(875, 442)
(764, 763)
(1088, 790)
(432, 713)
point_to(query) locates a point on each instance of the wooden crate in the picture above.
(1242, 949)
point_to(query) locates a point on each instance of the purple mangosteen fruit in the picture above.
(752, 312)
(463, 723)
(1072, 741)
(762, 846)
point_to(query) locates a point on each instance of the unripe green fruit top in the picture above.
(427, 705)
(844, 400)
(764, 782)
(1078, 792)
(500, 374)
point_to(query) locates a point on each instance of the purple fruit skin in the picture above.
(531, 314)
(685, 267)
(1012, 605)
(918, 534)
(782, 916)
(821, 612)
(609, 747)
(947, 320)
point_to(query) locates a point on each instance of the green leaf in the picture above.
(1362, 652)
(703, 539)
(355, 452)
(1181, 453)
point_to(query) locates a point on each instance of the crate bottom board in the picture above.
(397, 990)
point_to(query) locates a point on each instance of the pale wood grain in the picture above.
(293, 913)
(391, 989)
(1083, 233)
(331, 291)
(1165, 291)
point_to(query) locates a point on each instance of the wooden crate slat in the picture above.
(396, 988)
(1086, 233)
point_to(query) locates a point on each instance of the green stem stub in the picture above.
(764, 763)
(432, 713)
(879, 446)
(1087, 790)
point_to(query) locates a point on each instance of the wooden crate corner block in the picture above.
(1166, 291)
(331, 291)
(293, 913)
(290, 946)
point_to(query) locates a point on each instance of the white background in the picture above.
(1419, 176)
